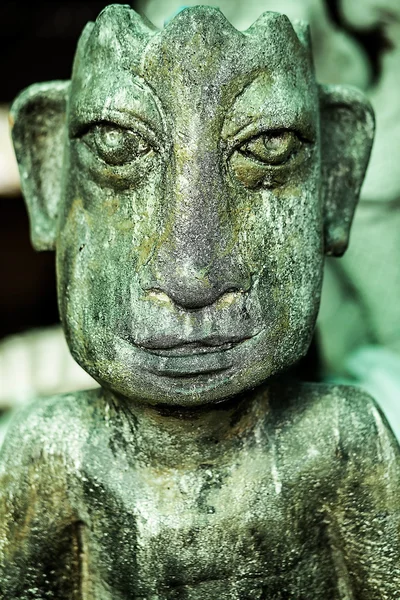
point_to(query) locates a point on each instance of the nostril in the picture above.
(158, 295)
(228, 298)
(192, 300)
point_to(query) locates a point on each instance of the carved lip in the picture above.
(174, 348)
(191, 359)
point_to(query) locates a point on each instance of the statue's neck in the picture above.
(177, 437)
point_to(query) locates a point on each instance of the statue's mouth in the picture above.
(194, 348)
(179, 358)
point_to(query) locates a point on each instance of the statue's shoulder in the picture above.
(49, 425)
(363, 425)
(333, 433)
(344, 413)
(341, 411)
(350, 401)
(357, 412)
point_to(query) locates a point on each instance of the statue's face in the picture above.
(190, 252)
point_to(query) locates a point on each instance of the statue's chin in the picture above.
(189, 376)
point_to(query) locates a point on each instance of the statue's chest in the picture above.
(225, 532)
(210, 529)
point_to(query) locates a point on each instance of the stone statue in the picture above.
(190, 181)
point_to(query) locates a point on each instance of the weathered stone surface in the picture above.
(190, 181)
(291, 492)
(360, 311)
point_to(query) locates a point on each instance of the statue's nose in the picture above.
(198, 260)
(192, 283)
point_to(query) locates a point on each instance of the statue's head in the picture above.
(191, 181)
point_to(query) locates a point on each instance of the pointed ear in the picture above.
(347, 132)
(38, 121)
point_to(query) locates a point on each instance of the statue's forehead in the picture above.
(199, 57)
(200, 44)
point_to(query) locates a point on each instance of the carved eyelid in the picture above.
(120, 120)
(258, 128)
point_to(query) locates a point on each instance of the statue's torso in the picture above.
(249, 547)
(252, 525)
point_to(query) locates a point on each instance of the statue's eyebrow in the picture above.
(254, 111)
(128, 105)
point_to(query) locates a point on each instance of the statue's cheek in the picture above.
(112, 215)
(280, 237)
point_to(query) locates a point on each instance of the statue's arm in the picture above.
(368, 502)
(37, 543)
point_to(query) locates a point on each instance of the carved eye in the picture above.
(116, 145)
(269, 159)
(273, 148)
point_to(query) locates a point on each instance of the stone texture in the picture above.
(190, 181)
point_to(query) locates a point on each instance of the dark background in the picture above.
(37, 43)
